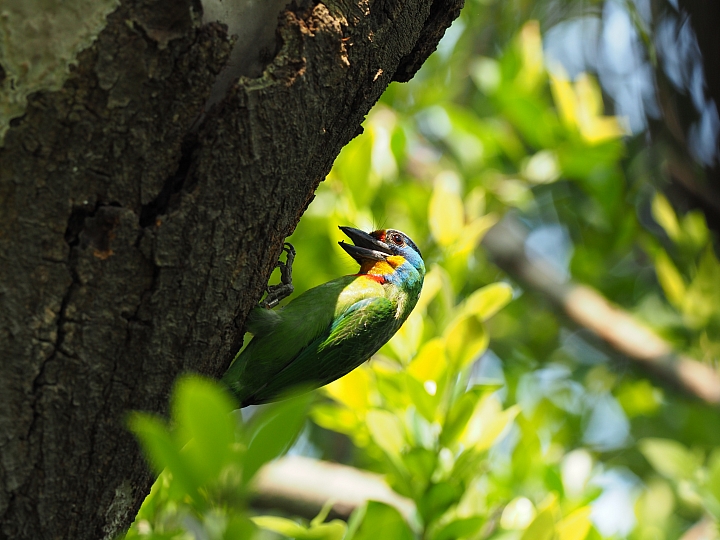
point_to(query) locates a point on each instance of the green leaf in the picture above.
(487, 423)
(664, 214)
(352, 390)
(202, 411)
(407, 339)
(711, 497)
(334, 530)
(472, 234)
(437, 499)
(425, 397)
(703, 294)
(273, 431)
(639, 398)
(542, 527)
(430, 362)
(466, 339)
(458, 416)
(323, 514)
(335, 418)
(670, 279)
(238, 527)
(162, 450)
(279, 525)
(576, 525)
(387, 431)
(420, 463)
(485, 73)
(382, 521)
(446, 214)
(542, 168)
(695, 229)
(460, 528)
(669, 458)
(486, 302)
(355, 521)
(468, 464)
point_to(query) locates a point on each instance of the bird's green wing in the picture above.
(351, 339)
(280, 336)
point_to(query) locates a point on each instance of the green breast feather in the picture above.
(321, 336)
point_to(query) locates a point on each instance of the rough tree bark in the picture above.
(133, 244)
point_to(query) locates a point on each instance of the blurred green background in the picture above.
(494, 410)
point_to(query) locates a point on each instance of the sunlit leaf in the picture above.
(466, 339)
(341, 420)
(639, 398)
(703, 294)
(542, 168)
(576, 525)
(543, 526)
(352, 390)
(473, 233)
(458, 416)
(670, 458)
(487, 422)
(664, 214)
(486, 302)
(714, 475)
(518, 513)
(670, 279)
(695, 228)
(446, 214)
(383, 521)
(424, 396)
(595, 127)
(485, 73)
(656, 503)
(580, 106)
(430, 362)
(432, 284)
(335, 530)
(386, 430)
(533, 70)
(406, 341)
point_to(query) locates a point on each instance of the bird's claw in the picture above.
(276, 293)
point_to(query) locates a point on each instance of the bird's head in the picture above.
(386, 252)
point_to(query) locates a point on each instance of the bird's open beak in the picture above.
(366, 247)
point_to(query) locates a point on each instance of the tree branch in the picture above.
(302, 486)
(588, 308)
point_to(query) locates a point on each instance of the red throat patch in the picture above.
(375, 277)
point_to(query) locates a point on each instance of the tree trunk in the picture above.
(136, 231)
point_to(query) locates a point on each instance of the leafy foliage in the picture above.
(488, 410)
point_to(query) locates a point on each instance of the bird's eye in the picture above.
(397, 239)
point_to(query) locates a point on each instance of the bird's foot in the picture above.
(276, 293)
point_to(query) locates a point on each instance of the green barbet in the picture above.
(331, 329)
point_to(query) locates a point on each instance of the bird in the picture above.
(333, 328)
